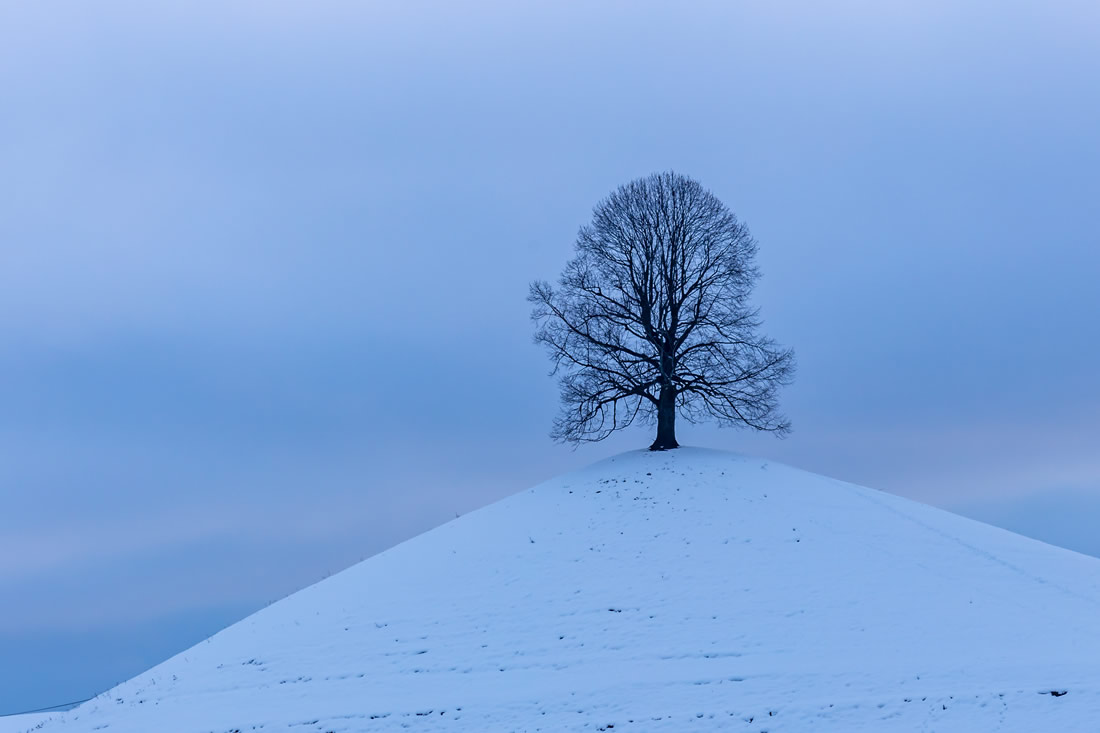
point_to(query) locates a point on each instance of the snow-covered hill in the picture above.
(680, 591)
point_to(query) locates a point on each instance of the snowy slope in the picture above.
(22, 723)
(680, 591)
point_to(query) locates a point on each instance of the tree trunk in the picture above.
(666, 420)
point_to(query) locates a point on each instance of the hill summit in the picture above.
(675, 591)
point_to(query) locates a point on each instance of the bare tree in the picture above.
(651, 317)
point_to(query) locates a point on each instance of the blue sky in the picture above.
(263, 267)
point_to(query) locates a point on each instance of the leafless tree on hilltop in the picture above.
(652, 318)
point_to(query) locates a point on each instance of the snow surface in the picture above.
(679, 591)
(22, 723)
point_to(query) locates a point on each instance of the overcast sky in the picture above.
(263, 268)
